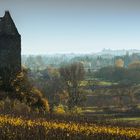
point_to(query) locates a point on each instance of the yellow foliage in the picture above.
(59, 109)
(45, 104)
(119, 63)
(36, 92)
(18, 128)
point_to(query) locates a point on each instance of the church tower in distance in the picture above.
(10, 51)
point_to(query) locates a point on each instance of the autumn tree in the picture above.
(119, 63)
(25, 92)
(134, 65)
(52, 85)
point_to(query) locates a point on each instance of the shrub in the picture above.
(21, 107)
(76, 110)
(6, 105)
(24, 91)
(16, 106)
(59, 109)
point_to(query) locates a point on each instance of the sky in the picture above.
(75, 26)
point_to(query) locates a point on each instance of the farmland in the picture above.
(20, 128)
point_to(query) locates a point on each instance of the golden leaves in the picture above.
(61, 129)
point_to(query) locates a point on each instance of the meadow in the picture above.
(13, 128)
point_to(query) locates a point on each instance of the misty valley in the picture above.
(70, 70)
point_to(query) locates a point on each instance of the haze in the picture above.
(75, 26)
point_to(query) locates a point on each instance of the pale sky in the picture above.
(75, 26)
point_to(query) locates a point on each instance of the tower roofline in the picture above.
(7, 25)
(7, 12)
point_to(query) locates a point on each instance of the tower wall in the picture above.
(10, 51)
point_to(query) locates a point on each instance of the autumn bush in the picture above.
(59, 109)
(26, 93)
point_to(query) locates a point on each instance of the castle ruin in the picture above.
(10, 50)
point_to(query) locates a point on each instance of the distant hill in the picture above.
(117, 52)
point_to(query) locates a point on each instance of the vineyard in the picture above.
(13, 128)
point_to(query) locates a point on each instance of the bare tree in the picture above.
(72, 75)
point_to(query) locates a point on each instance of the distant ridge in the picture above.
(118, 52)
(103, 52)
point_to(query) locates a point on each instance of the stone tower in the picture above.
(10, 50)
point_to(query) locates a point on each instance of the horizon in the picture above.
(89, 53)
(75, 26)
